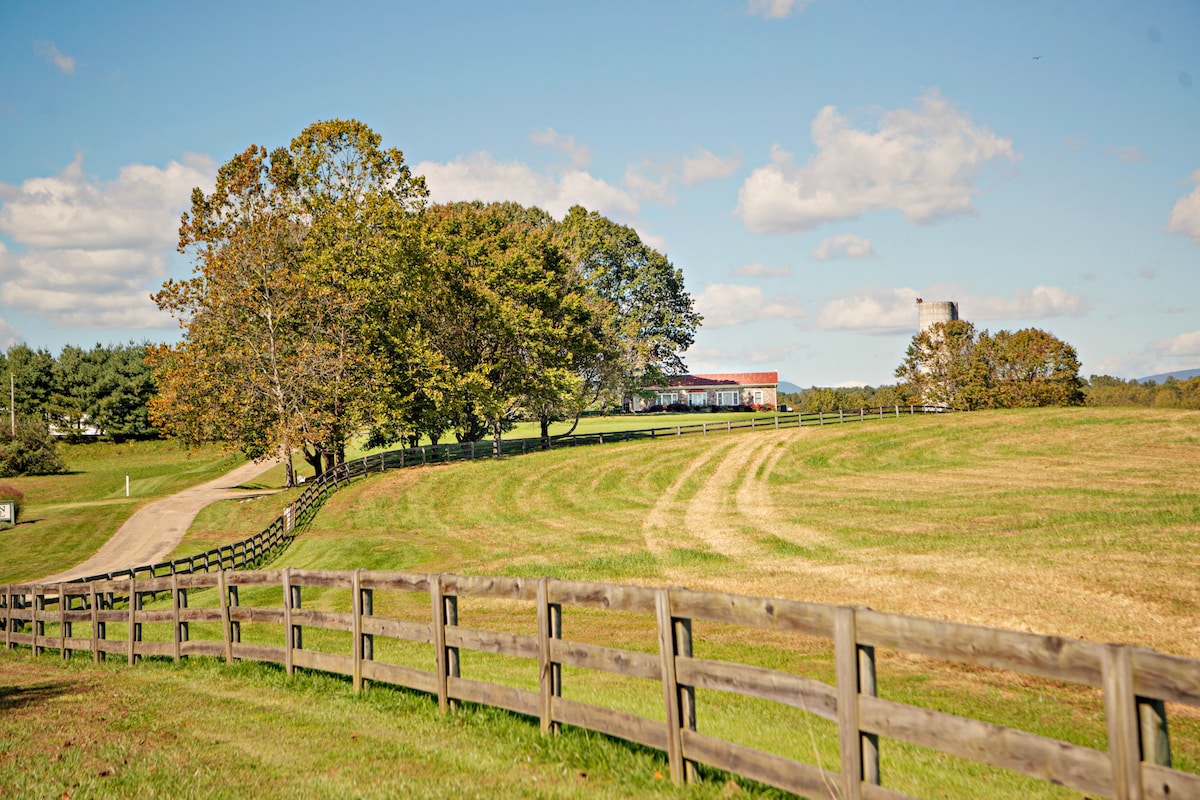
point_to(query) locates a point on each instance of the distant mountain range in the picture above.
(1179, 375)
(790, 388)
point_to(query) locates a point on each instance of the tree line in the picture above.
(330, 297)
(953, 364)
(104, 390)
(1105, 390)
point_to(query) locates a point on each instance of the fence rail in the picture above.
(258, 549)
(1135, 682)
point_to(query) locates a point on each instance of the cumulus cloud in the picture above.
(924, 162)
(725, 305)
(580, 155)
(775, 9)
(8, 334)
(1185, 216)
(649, 183)
(763, 271)
(706, 166)
(1185, 345)
(871, 310)
(879, 310)
(1165, 355)
(93, 251)
(1040, 302)
(52, 55)
(846, 245)
(479, 176)
(1130, 154)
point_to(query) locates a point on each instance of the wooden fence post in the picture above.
(9, 598)
(1155, 741)
(177, 635)
(1120, 708)
(135, 627)
(97, 631)
(436, 600)
(289, 632)
(549, 619)
(855, 669)
(226, 625)
(364, 643)
(39, 624)
(671, 695)
(64, 627)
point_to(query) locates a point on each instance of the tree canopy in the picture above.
(952, 364)
(328, 298)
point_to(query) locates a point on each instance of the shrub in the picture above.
(32, 451)
(11, 494)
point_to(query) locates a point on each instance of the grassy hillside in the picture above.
(67, 517)
(1080, 522)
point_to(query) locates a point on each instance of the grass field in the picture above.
(67, 517)
(1081, 522)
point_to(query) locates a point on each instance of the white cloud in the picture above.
(1041, 302)
(925, 163)
(649, 183)
(763, 271)
(872, 310)
(52, 55)
(724, 305)
(1131, 153)
(479, 176)
(579, 154)
(706, 166)
(846, 245)
(8, 334)
(1165, 355)
(1185, 345)
(94, 251)
(776, 9)
(766, 355)
(880, 310)
(1185, 216)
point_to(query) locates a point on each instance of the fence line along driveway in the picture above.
(108, 618)
(156, 529)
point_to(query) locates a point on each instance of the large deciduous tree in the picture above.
(951, 364)
(644, 317)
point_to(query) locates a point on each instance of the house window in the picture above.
(758, 397)
(667, 398)
(728, 399)
(698, 398)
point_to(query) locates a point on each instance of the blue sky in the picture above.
(812, 167)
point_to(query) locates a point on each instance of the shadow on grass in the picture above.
(16, 697)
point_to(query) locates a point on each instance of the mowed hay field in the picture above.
(1077, 522)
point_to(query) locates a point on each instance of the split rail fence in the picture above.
(257, 550)
(1135, 682)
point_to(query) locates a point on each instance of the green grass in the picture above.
(1081, 522)
(67, 517)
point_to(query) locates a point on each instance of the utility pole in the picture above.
(12, 403)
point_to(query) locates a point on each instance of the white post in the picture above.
(127, 486)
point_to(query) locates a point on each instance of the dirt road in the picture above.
(156, 529)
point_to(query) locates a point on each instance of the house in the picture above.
(717, 389)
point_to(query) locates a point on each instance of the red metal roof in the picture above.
(726, 379)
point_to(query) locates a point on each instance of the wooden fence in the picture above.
(258, 549)
(1135, 682)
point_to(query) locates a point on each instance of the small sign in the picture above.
(8, 513)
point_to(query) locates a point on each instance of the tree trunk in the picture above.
(496, 438)
(329, 461)
(545, 422)
(289, 472)
(314, 460)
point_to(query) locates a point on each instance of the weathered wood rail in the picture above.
(258, 549)
(107, 617)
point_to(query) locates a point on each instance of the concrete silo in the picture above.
(935, 312)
